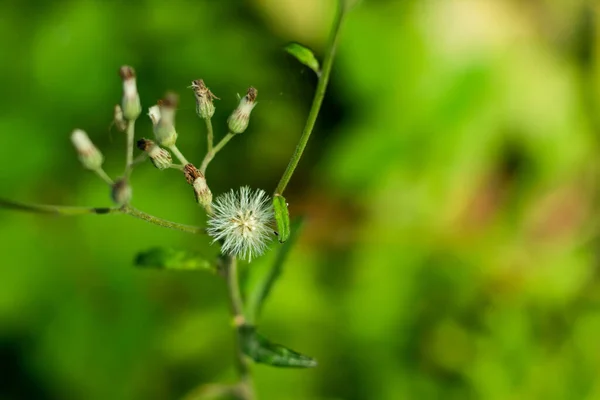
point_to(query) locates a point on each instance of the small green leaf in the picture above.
(168, 258)
(263, 277)
(263, 351)
(304, 55)
(282, 217)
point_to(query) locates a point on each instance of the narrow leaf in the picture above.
(168, 258)
(282, 217)
(304, 55)
(263, 279)
(263, 351)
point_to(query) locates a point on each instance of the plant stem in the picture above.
(237, 310)
(211, 154)
(209, 134)
(178, 154)
(104, 176)
(317, 101)
(130, 137)
(71, 211)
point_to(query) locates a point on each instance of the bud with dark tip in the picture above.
(201, 190)
(130, 103)
(160, 157)
(164, 127)
(89, 155)
(239, 119)
(121, 192)
(204, 99)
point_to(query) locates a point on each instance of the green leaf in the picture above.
(263, 351)
(282, 217)
(169, 258)
(263, 279)
(304, 55)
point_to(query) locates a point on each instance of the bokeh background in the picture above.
(450, 192)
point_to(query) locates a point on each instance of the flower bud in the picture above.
(119, 119)
(130, 103)
(195, 178)
(160, 157)
(239, 119)
(204, 99)
(121, 192)
(89, 155)
(164, 128)
(154, 114)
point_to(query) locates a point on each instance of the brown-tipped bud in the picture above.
(204, 99)
(121, 192)
(159, 157)
(89, 155)
(164, 129)
(201, 190)
(130, 103)
(119, 119)
(240, 118)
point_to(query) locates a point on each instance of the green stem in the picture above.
(104, 176)
(211, 154)
(130, 138)
(72, 211)
(316, 104)
(246, 387)
(178, 154)
(209, 134)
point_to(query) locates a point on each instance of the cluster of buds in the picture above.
(195, 178)
(163, 120)
(89, 155)
(239, 119)
(130, 104)
(204, 99)
(159, 157)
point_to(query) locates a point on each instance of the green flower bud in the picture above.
(164, 128)
(204, 99)
(130, 103)
(239, 119)
(201, 190)
(119, 119)
(159, 157)
(89, 155)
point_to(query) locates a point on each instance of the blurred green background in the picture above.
(450, 192)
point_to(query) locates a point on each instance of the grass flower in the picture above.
(241, 220)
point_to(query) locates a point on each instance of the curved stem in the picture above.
(211, 154)
(72, 211)
(104, 176)
(178, 154)
(209, 134)
(246, 386)
(130, 137)
(317, 101)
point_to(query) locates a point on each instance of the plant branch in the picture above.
(211, 154)
(72, 211)
(178, 154)
(104, 176)
(246, 386)
(209, 134)
(317, 101)
(130, 138)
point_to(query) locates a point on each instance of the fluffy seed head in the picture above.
(241, 221)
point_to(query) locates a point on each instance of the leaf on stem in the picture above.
(262, 278)
(263, 351)
(176, 259)
(304, 55)
(282, 217)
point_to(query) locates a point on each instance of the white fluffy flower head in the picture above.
(241, 220)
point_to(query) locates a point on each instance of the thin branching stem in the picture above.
(72, 211)
(130, 138)
(317, 101)
(104, 176)
(211, 154)
(178, 154)
(246, 386)
(209, 134)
